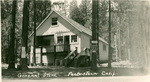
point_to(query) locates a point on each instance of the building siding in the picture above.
(64, 29)
(103, 55)
(85, 41)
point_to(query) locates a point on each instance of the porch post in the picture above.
(41, 55)
(76, 50)
(69, 48)
(54, 53)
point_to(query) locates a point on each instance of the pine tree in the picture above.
(75, 12)
(6, 20)
(86, 10)
(25, 26)
(95, 25)
(12, 38)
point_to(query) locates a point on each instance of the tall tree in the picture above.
(47, 8)
(34, 42)
(81, 14)
(43, 8)
(139, 36)
(103, 22)
(25, 25)
(6, 9)
(39, 10)
(12, 38)
(95, 41)
(61, 7)
(131, 22)
(73, 4)
(6, 20)
(120, 25)
(109, 30)
(86, 10)
(75, 12)
(18, 30)
(6, 23)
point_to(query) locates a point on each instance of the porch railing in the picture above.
(55, 48)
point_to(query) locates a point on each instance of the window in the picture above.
(41, 41)
(104, 47)
(74, 38)
(46, 42)
(54, 21)
(60, 39)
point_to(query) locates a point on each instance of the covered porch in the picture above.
(48, 50)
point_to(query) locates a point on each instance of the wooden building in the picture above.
(58, 35)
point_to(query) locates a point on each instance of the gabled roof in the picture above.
(72, 22)
(101, 39)
(76, 25)
(41, 23)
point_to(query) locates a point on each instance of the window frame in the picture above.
(58, 39)
(54, 21)
(72, 41)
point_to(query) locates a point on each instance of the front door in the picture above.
(66, 43)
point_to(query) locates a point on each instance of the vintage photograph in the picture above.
(64, 39)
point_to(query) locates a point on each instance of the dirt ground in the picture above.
(49, 72)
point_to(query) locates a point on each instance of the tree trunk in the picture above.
(12, 38)
(45, 7)
(34, 42)
(109, 30)
(95, 25)
(25, 34)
